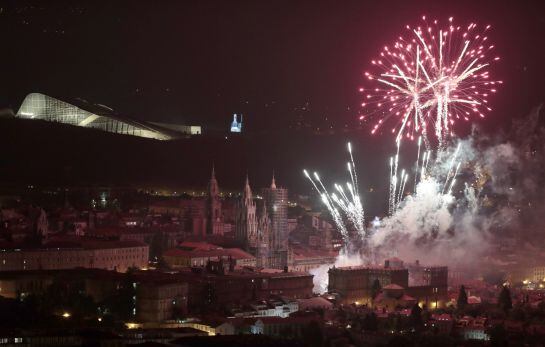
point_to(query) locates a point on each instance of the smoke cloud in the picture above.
(499, 194)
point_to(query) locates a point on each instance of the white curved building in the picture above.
(97, 116)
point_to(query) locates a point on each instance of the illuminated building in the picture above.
(76, 253)
(306, 259)
(197, 254)
(262, 242)
(236, 126)
(355, 283)
(83, 114)
(252, 231)
(214, 220)
(245, 218)
(276, 200)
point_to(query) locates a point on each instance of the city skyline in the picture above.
(272, 173)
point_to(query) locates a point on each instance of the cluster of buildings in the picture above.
(253, 230)
(263, 230)
(184, 257)
(214, 265)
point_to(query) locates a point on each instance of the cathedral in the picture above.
(251, 232)
(261, 226)
(264, 234)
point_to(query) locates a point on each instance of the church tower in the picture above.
(214, 221)
(263, 238)
(276, 200)
(245, 219)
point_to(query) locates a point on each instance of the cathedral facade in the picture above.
(264, 234)
(261, 225)
(252, 231)
(214, 218)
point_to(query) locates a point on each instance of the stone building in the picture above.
(214, 218)
(76, 252)
(158, 301)
(276, 201)
(355, 284)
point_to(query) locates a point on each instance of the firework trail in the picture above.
(403, 181)
(391, 186)
(430, 78)
(453, 179)
(449, 172)
(328, 201)
(348, 201)
(394, 164)
(417, 163)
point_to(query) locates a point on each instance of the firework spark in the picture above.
(430, 78)
(346, 201)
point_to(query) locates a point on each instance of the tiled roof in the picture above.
(235, 253)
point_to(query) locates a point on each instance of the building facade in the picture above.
(355, 284)
(108, 255)
(160, 301)
(84, 114)
(198, 255)
(209, 289)
(214, 220)
(276, 201)
(253, 230)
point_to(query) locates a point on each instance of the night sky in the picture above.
(200, 61)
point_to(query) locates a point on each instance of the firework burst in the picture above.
(430, 78)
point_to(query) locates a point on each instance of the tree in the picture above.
(433, 340)
(416, 317)
(426, 314)
(518, 313)
(375, 288)
(370, 322)
(461, 303)
(504, 300)
(400, 341)
(498, 336)
(312, 334)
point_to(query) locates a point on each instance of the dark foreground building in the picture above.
(400, 284)
(219, 284)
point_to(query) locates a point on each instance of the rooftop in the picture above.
(235, 253)
(73, 242)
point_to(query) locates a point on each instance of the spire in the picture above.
(273, 183)
(247, 193)
(213, 189)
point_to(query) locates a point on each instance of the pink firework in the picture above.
(430, 78)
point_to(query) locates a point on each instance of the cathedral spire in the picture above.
(247, 193)
(213, 205)
(273, 183)
(213, 189)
